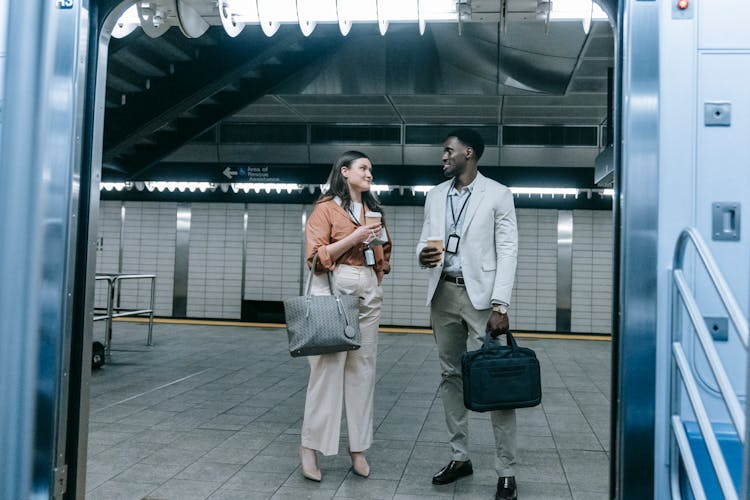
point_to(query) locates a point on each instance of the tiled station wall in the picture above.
(148, 246)
(274, 260)
(593, 245)
(215, 261)
(535, 289)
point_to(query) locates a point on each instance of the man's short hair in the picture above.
(471, 138)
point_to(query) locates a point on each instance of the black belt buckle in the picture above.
(458, 280)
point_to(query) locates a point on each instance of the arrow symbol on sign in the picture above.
(229, 173)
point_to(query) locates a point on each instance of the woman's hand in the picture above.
(365, 234)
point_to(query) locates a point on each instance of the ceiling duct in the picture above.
(604, 168)
(505, 68)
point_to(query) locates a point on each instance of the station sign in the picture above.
(250, 174)
(274, 173)
(318, 174)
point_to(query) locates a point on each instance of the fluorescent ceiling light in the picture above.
(542, 191)
(280, 187)
(575, 10)
(422, 189)
(172, 186)
(327, 11)
(127, 22)
(114, 186)
(265, 186)
(270, 14)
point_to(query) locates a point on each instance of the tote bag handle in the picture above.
(308, 287)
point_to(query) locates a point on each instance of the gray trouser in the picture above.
(458, 326)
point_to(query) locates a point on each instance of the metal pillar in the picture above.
(637, 145)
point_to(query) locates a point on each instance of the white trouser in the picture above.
(345, 377)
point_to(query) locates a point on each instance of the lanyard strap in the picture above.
(355, 219)
(460, 212)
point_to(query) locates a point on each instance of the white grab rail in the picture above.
(683, 296)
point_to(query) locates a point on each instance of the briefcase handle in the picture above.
(489, 339)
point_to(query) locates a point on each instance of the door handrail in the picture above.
(680, 368)
(717, 279)
(712, 355)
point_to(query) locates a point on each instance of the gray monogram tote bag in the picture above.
(322, 324)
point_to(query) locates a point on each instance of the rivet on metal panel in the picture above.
(718, 327)
(717, 114)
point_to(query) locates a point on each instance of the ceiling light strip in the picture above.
(289, 188)
(271, 14)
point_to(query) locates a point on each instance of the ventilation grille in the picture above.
(436, 134)
(358, 134)
(432, 135)
(549, 136)
(263, 133)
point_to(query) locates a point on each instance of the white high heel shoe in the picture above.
(359, 463)
(309, 461)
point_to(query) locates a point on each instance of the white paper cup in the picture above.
(373, 218)
(435, 242)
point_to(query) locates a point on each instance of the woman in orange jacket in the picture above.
(356, 251)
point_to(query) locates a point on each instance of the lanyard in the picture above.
(355, 219)
(460, 212)
(368, 252)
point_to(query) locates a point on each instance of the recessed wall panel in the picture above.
(148, 246)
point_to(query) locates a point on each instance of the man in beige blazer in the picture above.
(471, 279)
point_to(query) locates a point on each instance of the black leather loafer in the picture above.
(454, 470)
(506, 488)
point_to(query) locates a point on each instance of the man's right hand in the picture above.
(430, 256)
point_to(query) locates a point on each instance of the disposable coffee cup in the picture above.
(373, 218)
(376, 218)
(435, 242)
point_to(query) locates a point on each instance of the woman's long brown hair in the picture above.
(337, 184)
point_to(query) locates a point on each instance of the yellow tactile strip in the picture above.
(566, 336)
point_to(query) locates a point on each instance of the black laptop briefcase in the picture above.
(498, 377)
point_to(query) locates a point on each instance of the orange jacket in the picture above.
(330, 223)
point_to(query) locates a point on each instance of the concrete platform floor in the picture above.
(214, 412)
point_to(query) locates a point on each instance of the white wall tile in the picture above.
(215, 261)
(147, 248)
(593, 239)
(275, 252)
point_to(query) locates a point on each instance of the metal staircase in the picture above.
(184, 92)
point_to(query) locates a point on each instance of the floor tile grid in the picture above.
(216, 365)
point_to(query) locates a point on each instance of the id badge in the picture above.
(369, 257)
(452, 244)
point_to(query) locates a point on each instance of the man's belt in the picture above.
(458, 280)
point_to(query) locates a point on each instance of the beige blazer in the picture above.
(489, 240)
